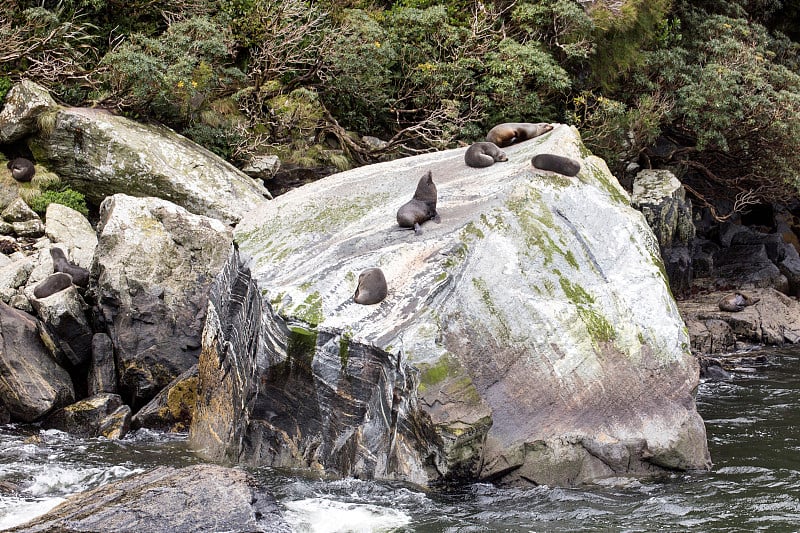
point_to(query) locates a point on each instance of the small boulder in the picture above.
(67, 226)
(87, 417)
(172, 408)
(22, 106)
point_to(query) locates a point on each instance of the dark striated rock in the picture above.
(747, 265)
(31, 382)
(173, 408)
(154, 264)
(103, 371)
(195, 499)
(116, 424)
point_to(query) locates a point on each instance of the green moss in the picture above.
(486, 297)
(537, 224)
(344, 348)
(596, 324)
(301, 346)
(456, 256)
(441, 277)
(571, 260)
(471, 230)
(310, 311)
(613, 191)
(575, 293)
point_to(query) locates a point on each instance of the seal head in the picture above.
(557, 163)
(483, 154)
(80, 275)
(371, 288)
(421, 207)
(21, 169)
(509, 133)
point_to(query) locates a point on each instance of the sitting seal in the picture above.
(371, 287)
(515, 132)
(54, 283)
(556, 163)
(483, 154)
(21, 169)
(80, 275)
(421, 207)
(735, 302)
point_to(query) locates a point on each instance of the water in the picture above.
(752, 422)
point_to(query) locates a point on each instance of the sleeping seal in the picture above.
(735, 302)
(483, 154)
(421, 207)
(52, 284)
(515, 132)
(557, 163)
(371, 287)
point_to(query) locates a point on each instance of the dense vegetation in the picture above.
(710, 88)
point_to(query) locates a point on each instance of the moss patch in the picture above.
(301, 346)
(310, 311)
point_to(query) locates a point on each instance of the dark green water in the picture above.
(752, 422)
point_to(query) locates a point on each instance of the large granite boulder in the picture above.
(64, 315)
(100, 154)
(31, 383)
(153, 266)
(528, 338)
(200, 498)
(21, 108)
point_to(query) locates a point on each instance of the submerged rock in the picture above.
(528, 338)
(200, 498)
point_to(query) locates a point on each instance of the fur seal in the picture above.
(483, 154)
(54, 283)
(514, 132)
(371, 287)
(735, 302)
(80, 275)
(21, 169)
(557, 163)
(421, 207)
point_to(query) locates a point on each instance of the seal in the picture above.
(52, 284)
(371, 287)
(557, 163)
(421, 207)
(515, 132)
(21, 169)
(483, 154)
(735, 302)
(80, 275)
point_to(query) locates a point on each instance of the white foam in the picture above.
(320, 515)
(15, 511)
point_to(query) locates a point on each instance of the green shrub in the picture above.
(63, 195)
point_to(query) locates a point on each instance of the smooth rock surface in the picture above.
(67, 226)
(113, 154)
(528, 338)
(23, 104)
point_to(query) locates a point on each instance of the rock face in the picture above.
(100, 154)
(154, 264)
(529, 337)
(31, 383)
(201, 498)
(659, 195)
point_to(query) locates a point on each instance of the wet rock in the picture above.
(116, 425)
(195, 499)
(31, 383)
(746, 266)
(154, 264)
(87, 417)
(173, 408)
